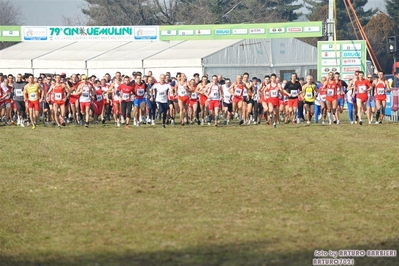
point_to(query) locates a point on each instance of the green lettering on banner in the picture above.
(344, 57)
(164, 33)
(241, 31)
(105, 31)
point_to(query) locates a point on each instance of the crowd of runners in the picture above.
(59, 100)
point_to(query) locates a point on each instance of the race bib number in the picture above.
(99, 97)
(183, 92)
(245, 93)
(58, 96)
(227, 99)
(33, 96)
(274, 93)
(285, 99)
(162, 93)
(238, 92)
(255, 97)
(381, 91)
(362, 89)
(323, 97)
(267, 95)
(215, 94)
(18, 92)
(125, 96)
(85, 94)
(140, 92)
(308, 95)
(194, 95)
(294, 93)
(330, 92)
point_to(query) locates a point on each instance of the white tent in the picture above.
(18, 58)
(72, 58)
(126, 58)
(227, 57)
(185, 57)
(261, 57)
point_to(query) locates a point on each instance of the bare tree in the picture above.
(172, 12)
(10, 13)
(76, 20)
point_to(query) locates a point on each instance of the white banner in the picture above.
(91, 33)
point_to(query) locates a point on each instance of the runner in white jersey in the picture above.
(214, 93)
(227, 101)
(86, 92)
(160, 92)
(183, 89)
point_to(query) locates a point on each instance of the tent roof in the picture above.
(187, 53)
(130, 55)
(74, 55)
(121, 55)
(21, 55)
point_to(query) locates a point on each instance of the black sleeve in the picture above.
(287, 87)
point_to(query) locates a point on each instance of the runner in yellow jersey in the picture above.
(309, 92)
(32, 95)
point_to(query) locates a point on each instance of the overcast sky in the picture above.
(50, 12)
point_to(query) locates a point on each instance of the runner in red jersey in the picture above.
(214, 94)
(125, 92)
(98, 101)
(115, 99)
(362, 87)
(331, 88)
(322, 95)
(381, 86)
(192, 107)
(203, 100)
(265, 96)
(50, 100)
(59, 91)
(183, 89)
(73, 98)
(6, 100)
(275, 90)
(237, 90)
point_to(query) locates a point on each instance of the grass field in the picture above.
(197, 195)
